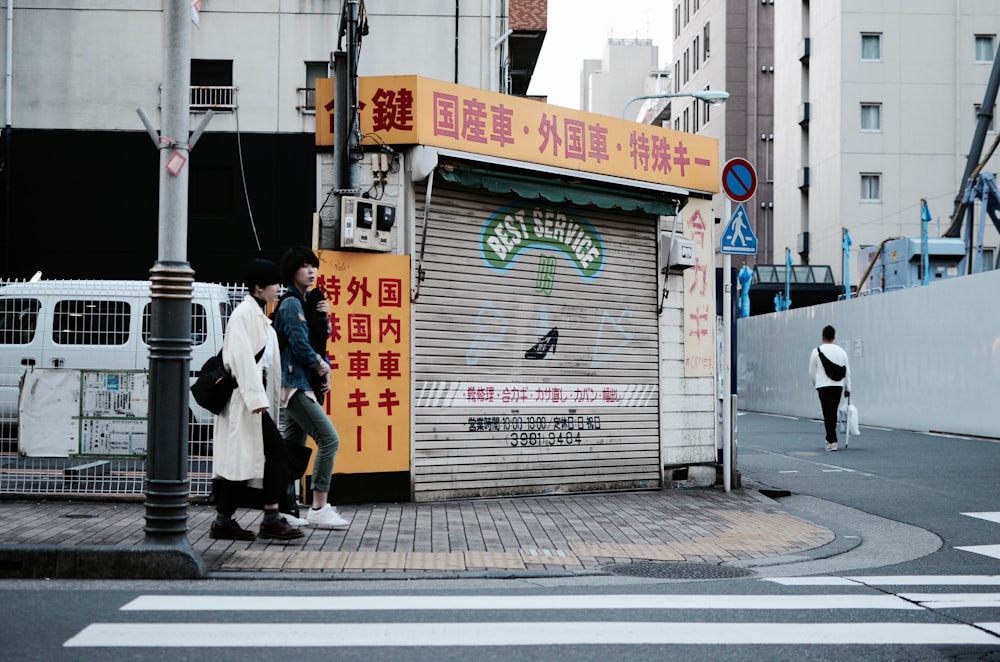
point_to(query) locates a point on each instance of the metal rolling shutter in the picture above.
(490, 421)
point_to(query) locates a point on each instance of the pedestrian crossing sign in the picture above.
(738, 237)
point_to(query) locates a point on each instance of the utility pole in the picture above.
(346, 167)
(171, 285)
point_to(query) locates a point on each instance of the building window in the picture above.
(212, 85)
(687, 65)
(687, 121)
(708, 109)
(697, 5)
(677, 124)
(677, 76)
(993, 120)
(314, 70)
(695, 107)
(704, 40)
(687, 11)
(984, 47)
(871, 117)
(694, 51)
(871, 47)
(871, 187)
(677, 21)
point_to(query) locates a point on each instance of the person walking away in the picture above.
(830, 373)
(248, 449)
(305, 377)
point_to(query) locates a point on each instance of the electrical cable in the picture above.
(243, 174)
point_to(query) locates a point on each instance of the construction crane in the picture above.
(970, 188)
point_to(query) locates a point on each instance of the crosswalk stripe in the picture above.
(887, 580)
(244, 635)
(986, 550)
(991, 517)
(508, 602)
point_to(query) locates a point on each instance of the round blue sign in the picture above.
(739, 180)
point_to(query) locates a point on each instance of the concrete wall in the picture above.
(88, 64)
(922, 359)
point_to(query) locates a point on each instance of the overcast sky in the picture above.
(579, 29)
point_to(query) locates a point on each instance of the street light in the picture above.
(711, 97)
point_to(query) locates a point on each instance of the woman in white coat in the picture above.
(248, 447)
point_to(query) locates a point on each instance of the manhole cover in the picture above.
(677, 570)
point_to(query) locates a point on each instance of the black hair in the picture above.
(829, 333)
(294, 259)
(262, 273)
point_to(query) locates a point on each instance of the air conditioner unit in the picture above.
(367, 224)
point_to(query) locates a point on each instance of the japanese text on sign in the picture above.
(369, 357)
(415, 110)
(523, 395)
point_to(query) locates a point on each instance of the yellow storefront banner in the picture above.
(369, 351)
(412, 110)
(323, 98)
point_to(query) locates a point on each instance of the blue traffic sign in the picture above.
(739, 180)
(738, 237)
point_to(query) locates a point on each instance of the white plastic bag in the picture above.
(847, 416)
(852, 420)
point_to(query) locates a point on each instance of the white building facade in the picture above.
(875, 109)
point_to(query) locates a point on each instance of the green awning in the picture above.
(561, 190)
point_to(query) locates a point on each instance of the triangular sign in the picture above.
(738, 237)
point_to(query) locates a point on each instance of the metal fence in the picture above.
(118, 476)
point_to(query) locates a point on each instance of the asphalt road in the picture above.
(893, 586)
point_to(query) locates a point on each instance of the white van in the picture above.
(94, 325)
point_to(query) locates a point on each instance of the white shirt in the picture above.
(835, 354)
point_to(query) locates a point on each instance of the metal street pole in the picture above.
(171, 285)
(727, 339)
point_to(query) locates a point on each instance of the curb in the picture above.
(100, 562)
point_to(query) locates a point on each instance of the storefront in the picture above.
(536, 288)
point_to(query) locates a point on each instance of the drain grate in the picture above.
(675, 570)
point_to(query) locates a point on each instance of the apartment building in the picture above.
(729, 45)
(875, 110)
(80, 193)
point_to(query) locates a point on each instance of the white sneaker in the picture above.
(831, 447)
(326, 517)
(295, 521)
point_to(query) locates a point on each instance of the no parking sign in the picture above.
(739, 180)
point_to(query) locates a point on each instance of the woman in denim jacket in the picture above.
(305, 379)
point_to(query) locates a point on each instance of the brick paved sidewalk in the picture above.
(579, 532)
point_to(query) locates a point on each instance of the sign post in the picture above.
(739, 182)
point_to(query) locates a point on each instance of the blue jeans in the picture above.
(306, 417)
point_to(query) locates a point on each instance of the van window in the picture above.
(225, 310)
(91, 322)
(18, 320)
(199, 323)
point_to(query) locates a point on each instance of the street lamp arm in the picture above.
(713, 97)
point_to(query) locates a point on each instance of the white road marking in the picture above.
(986, 550)
(991, 517)
(891, 580)
(789, 471)
(245, 635)
(507, 602)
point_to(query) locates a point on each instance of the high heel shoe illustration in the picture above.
(544, 344)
